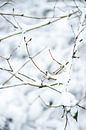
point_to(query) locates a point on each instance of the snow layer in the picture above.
(28, 106)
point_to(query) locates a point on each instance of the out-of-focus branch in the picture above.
(6, 3)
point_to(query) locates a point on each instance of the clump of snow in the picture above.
(68, 99)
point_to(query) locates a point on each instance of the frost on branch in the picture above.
(42, 64)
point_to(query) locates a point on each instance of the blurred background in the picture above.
(21, 107)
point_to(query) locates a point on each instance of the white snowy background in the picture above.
(21, 107)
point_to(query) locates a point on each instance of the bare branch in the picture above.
(23, 66)
(49, 106)
(66, 122)
(30, 17)
(26, 43)
(54, 58)
(6, 3)
(27, 77)
(10, 22)
(82, 107)
(43, 24)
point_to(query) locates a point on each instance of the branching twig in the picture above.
(7, 59)
(10, 22)
(59, 70)
(16, 20)
(26, 43)
(54, 58)
(43, 24)
(9, 65)
(22, 67)
(34, 84)
(75, 47)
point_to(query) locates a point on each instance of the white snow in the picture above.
(23, 103)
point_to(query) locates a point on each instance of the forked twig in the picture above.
(43, 24)
(26, 43)
(13, 75)
(9, 22)
(74, 50)
(61, 65)
(54, 58)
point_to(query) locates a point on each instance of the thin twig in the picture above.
(74, 49)
(13, 51)
(77, 6)
(22, 66)
(54, 89)
(10, 22)
(59, 70)
(38, 26)
(54, 58)
(49, 106)
(16, 20)
(26, 16)
(26, 43)
(5, 69)
(9, 65)
(27, 76)
(66, 120)
(84, 108)
(6, 3)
